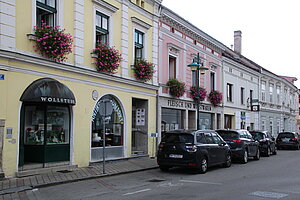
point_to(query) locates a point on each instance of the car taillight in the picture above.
(160, 147)
(237, 141)
(191, 148)
(293, 139)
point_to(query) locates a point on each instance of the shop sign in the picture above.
(57, 100)
(180, 104)
(1, 76)
(186, 105)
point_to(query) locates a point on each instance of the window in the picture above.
(217, 139)
(200, 138)
(271, 87)
(102, 27)
(46, 12)
(212, 80)
(263, 91)
(229, 92)
(172, 67)
(139, 44)
(209, 139)
(251, 96)
(278, 94)
(242, 95)
(194, 78)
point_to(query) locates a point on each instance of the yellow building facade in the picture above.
(51, 113)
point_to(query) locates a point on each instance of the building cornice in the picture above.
(106, 5)
(190, 30)
(29, 59)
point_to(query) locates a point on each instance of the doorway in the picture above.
(139, 127)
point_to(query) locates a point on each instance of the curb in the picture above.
(24, 188)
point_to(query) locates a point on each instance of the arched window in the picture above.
(114, 124)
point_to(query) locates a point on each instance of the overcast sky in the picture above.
(270, 28)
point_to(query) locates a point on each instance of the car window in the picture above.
(257, 135)
(201, 138)
(228, 135)
(243, 134)
(249, 136)
(209, 139)
(286, 135)
(178, 138)
(216, 138)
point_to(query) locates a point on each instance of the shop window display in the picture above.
(113, 127)
(53, 119)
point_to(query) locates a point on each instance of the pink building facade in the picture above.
(179, 44)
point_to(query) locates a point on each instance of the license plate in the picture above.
(175, 156)
(286, 140)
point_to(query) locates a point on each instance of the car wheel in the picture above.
(203, 166)
(164, 168)
(257, 156)
(245, 157)
(227, 161)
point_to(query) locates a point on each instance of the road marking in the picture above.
(139, 191)
(201, 182)
(272, 195)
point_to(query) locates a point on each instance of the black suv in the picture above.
(266, 141)
(193, 149)
(241, 143)
(287, 140)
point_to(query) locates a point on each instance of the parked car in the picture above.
(288, 140)
(242, 144)
(193, 149)
(266, 141)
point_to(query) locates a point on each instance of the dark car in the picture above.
(266, 141)
(288, 140)
(242, 144)
(193, 149)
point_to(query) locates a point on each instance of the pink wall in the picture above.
(185, 49)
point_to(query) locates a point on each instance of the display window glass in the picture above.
(114, 125)
(172, 119)
(46, 125)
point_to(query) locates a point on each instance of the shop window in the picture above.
(114, 125)
(46, 125)
(172, 67)
(172, 119)
(139, 44)
(46, 11)
(102, 25)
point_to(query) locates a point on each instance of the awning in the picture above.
(48, 90)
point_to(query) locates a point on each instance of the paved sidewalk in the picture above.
(13, 185)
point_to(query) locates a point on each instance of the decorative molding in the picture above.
(20, 57)
(106, 5)
(140, 22)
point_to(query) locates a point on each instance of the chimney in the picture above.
(238, 41)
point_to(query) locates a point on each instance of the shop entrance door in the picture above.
(45, 134)
(139, 127)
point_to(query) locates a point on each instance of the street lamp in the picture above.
(198, 66)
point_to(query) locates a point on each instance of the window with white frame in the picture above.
(263, 91)
(102, 27)
(212, 80)
(194, 77)
(172, 67)
(138, 44)
(229, 92)
(46, 11)
(271, 88)
(242, 95)
(278, 94)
